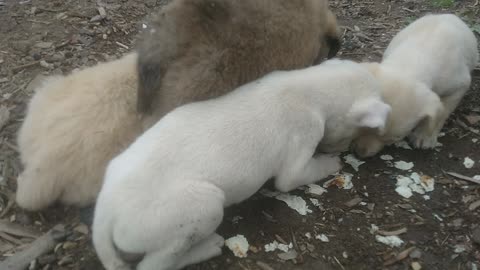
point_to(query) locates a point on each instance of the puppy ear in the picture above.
(371, 113)
(332, 35)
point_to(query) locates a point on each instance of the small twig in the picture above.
(264, 266)
(409, 10)
(445, 240)
(463, 177)
(50, 10)
(122, 45)
(295, 245)
(17, 230)
(42, 22)
(400, 256)
(341, 266)
(63, 44)
(11, 146)
(397, 232)
(11, 239)
(40, 246)
(18, 68)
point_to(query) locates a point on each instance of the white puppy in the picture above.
(424, 74)
(175, 180)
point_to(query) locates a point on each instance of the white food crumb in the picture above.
(322, 237)
(354, 162)
(392, 240)
(374, 228)
(474, 140)
(426, 197)
(315, 189)
(468, 163)
(238, 245)
(403, 144)
(405, 192)
(144, 26)
(404, 166)
(476, 177)
(459, 248)
(275, 245)
(315, 202)
(295, 202)
(414, 183)
(308, 235)
(386, 157)
(343, 181)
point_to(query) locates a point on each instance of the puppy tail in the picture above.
(102, 236)
(35, 192)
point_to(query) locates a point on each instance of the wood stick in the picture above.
(45, 243)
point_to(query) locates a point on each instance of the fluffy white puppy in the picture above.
(175, 180)
(433, 56)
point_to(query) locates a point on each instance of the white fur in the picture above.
(424, 74)
(164, 196)
(439, 51)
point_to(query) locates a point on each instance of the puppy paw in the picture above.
(422, 141)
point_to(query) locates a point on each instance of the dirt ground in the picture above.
(439, 231)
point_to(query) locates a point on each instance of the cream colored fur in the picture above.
(74, 126)
(435, 54)
(175, 180)
(77, 123)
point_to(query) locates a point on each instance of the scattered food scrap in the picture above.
(315, 189)
(238, 245)
(295, 202)
(392, 241)
(415, 183)
(352, 161)
(322, 237)
(275, 245)
(343, 181)
(468, 163)
(315, 202)
(403, 144)
(404, 166)
(386, 157)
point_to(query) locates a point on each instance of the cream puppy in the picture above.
(197, 49)
(424, 74)
(441, 52)
(74, 126)
(412, 104)
(175, 180)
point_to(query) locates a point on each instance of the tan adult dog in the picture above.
(77, 123)
(425, 72)
(189, 55)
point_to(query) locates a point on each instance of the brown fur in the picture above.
(199, 49)
(77, 123)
